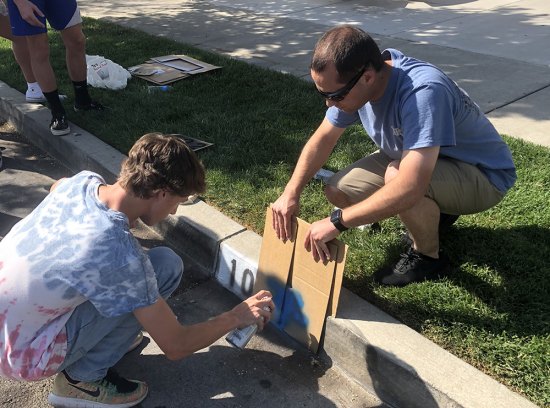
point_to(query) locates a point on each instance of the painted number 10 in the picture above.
(247, 279)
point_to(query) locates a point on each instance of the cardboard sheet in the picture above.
(170, 68)
(185, 63)
(304, 291)
(157, 73)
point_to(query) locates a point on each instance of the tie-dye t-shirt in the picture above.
(69, 250)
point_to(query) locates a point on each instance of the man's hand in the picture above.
(29, 11)
(319, 234)
(285, 210)
(256, 309)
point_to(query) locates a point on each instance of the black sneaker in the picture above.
(413, 267)
(92, 106)
(1, 159)
(59, 125)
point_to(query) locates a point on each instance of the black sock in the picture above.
(54, 103)
(81, 95)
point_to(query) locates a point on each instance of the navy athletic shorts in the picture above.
(61, 14)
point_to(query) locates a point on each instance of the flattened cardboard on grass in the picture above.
(195, 144)
(157, 73)
(304, 291)
(185, 64)
(170, 68)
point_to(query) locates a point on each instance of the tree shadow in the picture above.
(267, 34)
(25, 179)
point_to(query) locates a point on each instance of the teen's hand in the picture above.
(256, 309)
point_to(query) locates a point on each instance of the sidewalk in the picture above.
(509, 77)
(497, 50)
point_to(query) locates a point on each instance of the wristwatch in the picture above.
(336, 219)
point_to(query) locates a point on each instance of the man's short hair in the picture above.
(349, 49)
(159, 162)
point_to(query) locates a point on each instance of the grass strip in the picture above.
(493, 311)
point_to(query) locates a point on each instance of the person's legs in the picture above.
(64, 15)
(357, 181)
(39, 52)
(96, 343)
(75, 52)
(456, 188)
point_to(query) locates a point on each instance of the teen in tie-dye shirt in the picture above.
(70, 249)
(76, 288)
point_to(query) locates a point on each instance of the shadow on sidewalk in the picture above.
(227, 377)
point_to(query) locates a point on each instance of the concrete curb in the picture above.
(388, 358)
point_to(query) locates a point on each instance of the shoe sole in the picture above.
(60, 132)
(65, 402)
(137, 342)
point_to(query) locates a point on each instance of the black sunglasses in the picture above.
(341, 93)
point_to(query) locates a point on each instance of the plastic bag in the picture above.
(104, 73)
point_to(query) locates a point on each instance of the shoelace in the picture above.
(409, 257)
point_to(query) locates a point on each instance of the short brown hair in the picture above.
(162, 162)
(349, 49)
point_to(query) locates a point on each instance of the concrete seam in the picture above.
(518, 98)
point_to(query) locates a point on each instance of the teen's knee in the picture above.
(168, 268)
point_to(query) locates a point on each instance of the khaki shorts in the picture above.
(457, 187)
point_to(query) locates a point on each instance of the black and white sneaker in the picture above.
(59, 125)
(413, 267)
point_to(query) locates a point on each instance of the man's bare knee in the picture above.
(337, 197)
(391, 171)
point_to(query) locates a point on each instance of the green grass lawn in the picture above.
(493, 311)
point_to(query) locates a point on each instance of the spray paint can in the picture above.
(240, 337)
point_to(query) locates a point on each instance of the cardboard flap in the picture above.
(274, 265)
(185, 63)
(157, 73)
(342, 252)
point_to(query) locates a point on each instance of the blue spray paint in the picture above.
(289, 305)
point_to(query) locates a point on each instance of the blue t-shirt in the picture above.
(423, 107)
(69, 250)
